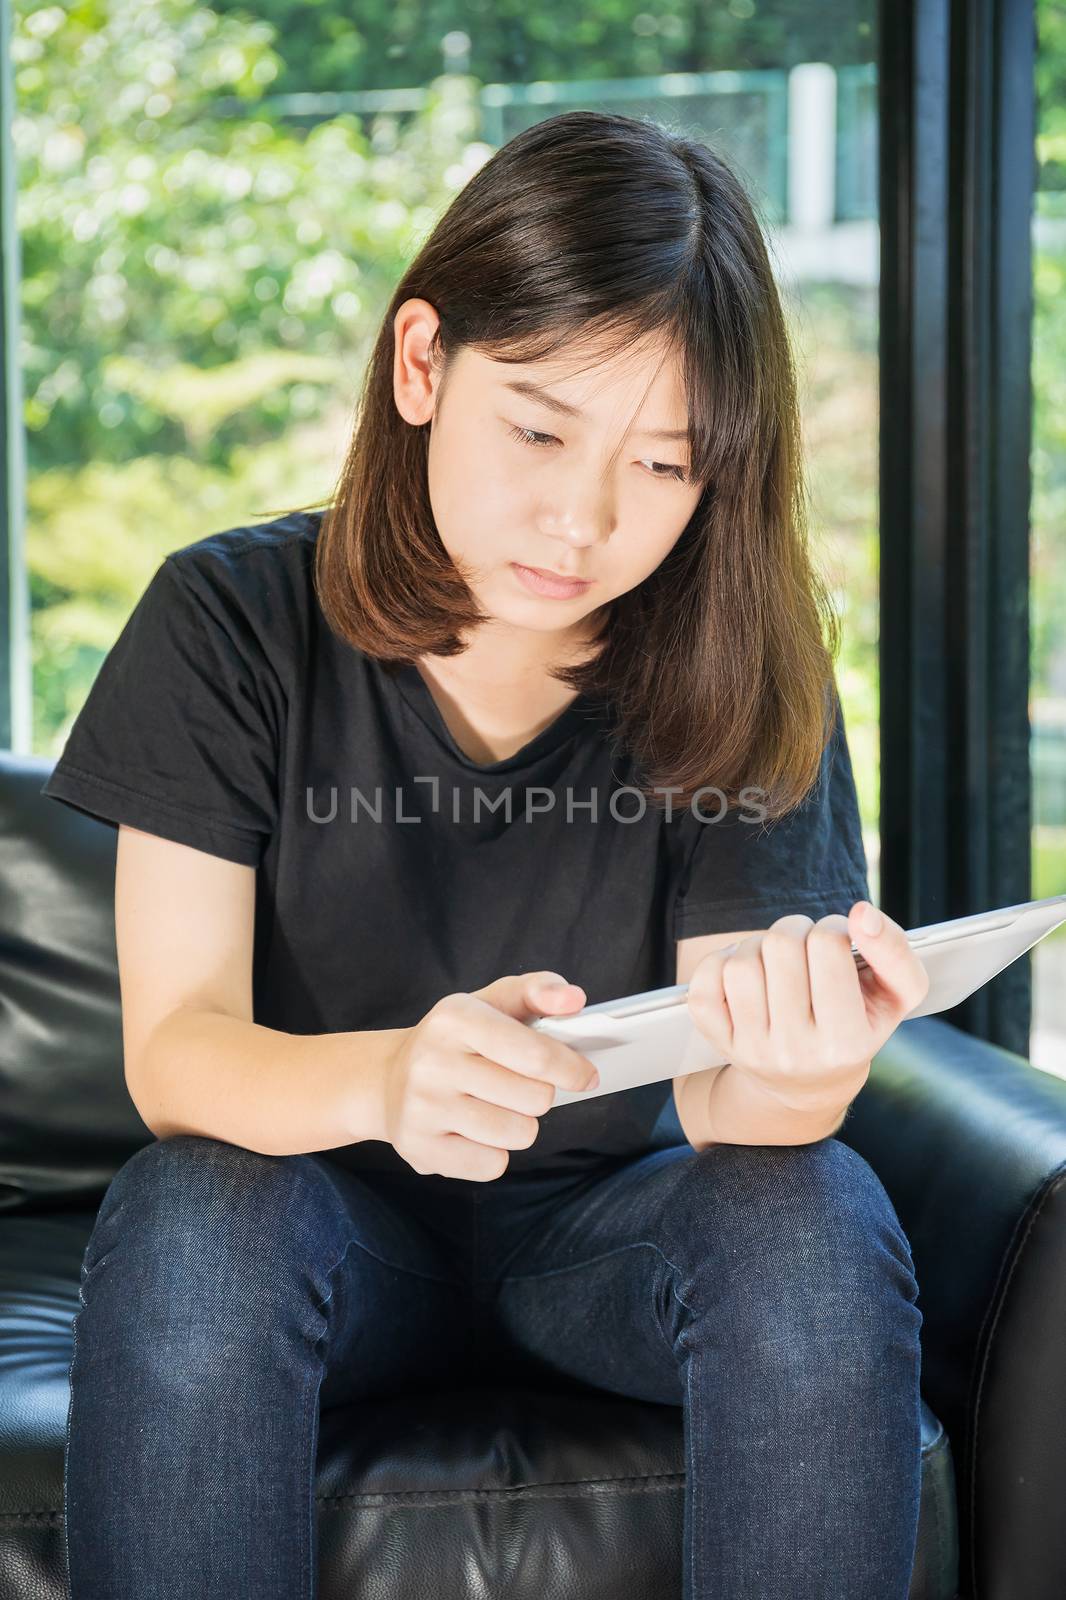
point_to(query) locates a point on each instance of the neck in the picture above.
(499, 662)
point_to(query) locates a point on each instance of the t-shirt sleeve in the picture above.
(745, 874)
(173, 737)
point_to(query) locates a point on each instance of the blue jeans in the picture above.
(227, 1297)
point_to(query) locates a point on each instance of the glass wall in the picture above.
(1047, 705)
(214, 205)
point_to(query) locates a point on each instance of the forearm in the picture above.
(729, 1106)
(277, 1093)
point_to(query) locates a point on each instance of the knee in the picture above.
(198, 1240)
(192, 1204)
(203, 1169)
(798, 1229)
(823, 1194)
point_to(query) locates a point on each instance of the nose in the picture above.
(591, 524)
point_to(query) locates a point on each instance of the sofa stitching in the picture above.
(431, 1496)
(385, 1497)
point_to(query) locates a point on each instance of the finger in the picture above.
(896, 981)
(744, 980)
(487, 1080)
(485, 1122)
(528, 995)
(468, 1158)
(707, 1002)
(548, 994)
(784, 959)
(836, 994)
(488, 1032)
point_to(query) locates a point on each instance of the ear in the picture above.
(415, 375)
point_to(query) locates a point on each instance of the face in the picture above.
(584, 474)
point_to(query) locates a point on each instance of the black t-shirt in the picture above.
(228, 716)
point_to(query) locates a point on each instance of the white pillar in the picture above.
(812, 102)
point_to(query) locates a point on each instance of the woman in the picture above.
(385, 795)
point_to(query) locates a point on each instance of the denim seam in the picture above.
(692, 1478)
(411, 1272)
(1051, 1189)
(83, 1277)
(576, 1266)
(312, 1410)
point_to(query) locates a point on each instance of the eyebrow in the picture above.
(533, 391)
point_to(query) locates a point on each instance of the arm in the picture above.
(743, 1113)
(195, 1062)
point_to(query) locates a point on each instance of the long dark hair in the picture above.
(601, 228)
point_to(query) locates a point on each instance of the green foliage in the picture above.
(1048, 556)
(1051, 94)
(330, 45)
(198, 296)
(154, 230)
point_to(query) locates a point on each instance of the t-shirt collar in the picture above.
(416, 692)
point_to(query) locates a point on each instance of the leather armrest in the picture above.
(969, 1140)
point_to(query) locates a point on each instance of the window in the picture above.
(1048, 610)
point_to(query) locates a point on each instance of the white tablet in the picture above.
(644, 1038)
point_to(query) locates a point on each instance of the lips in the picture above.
(560, 577)
(542, 581)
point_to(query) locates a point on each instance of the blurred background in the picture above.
(214, 204)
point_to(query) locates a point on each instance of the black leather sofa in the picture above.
(522, 1491)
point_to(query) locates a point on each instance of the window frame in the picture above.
(957, 172)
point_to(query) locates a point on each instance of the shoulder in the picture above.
(253, 560)
(254, 582)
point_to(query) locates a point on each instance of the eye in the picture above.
(543, 441)
(669, 471)
(528, 437)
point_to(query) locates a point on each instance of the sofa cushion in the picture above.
(68, 1122)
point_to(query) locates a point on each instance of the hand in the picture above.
(790, 1008)
(466, 1084)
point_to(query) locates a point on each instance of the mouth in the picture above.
(541, 580)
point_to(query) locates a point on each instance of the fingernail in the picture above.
(872, 920)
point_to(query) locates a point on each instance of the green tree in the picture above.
(330, 46)
(197, 293)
